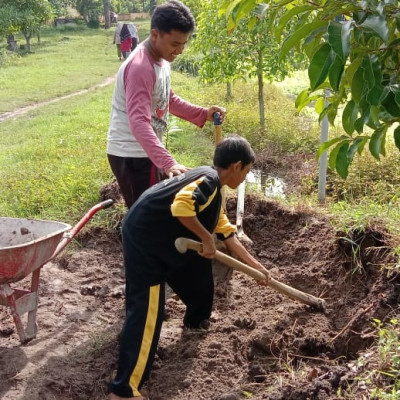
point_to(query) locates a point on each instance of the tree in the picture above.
(24, 16)
(107, 9)
(60, 7)
(90, 10)
(247, 51)
(353, 50)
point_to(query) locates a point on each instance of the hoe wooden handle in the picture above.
(183, 244)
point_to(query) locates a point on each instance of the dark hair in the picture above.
(173, 15)
(232, 149)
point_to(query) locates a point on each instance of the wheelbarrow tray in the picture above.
(26, 245)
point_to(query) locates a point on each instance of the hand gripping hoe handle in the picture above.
(183, 244)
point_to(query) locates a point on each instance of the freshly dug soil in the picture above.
(260, 345)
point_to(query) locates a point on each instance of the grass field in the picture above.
(53, 161)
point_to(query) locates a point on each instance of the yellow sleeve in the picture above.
(224, 227)
(184, 205)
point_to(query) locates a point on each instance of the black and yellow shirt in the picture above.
(151, 225)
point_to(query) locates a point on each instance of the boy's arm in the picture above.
(139, 82)
(207, 240)
(235, 246)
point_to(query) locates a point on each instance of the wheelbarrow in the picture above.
(25, 246)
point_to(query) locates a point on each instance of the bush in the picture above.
(93, 23)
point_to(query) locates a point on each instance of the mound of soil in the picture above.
(260, 345)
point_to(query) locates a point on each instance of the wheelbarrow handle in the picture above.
(81, 223)
(106, 204)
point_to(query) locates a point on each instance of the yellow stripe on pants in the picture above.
(147, 340)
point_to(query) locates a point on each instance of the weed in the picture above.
(380, 378)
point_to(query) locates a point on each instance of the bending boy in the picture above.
(188, 205)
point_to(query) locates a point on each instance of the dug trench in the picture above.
(260, 345)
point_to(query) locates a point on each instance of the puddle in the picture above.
(270, 185)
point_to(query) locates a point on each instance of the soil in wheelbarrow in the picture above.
(260, 345)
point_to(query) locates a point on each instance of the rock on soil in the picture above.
(260, 345)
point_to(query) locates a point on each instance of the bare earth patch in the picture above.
(260, 345)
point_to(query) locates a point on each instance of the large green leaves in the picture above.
(378, 25)
(349, 117)
(377, 142)
(319, 65)
(339, 38)
(397, 137)
(295, 39)
(354, 51)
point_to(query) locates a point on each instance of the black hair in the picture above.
(232, 149)
(173, 15)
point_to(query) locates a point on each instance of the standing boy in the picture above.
(142, 101)
(188, 205)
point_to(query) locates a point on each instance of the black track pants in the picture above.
(195, 287)
(134, 176)
(139, 338)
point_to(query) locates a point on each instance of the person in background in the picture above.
(142, 101)
(126, 41)
(117, 39)
(134, 35)
(188, 205)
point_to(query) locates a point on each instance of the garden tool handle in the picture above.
(183, 244)
(217, 127)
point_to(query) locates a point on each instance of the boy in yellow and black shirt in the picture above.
(188, 205)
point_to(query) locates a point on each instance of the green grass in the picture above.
(66, 61)
(53, 161)
(53, 158)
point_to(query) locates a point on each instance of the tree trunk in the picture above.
(12, 43)
(261, 98)
(27, 36)
(228, 92)
(107, 9)
(153, 5)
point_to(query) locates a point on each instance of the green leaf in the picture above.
(253, 20)
(375, 142)
(397, 137)
(357, 85)
(339, 38)
(374, 95)
(302, 99)
(325, 145)
(319, 65)
(378, 25)
(342, 161)
(296, 37)
(244, 9)
(369, 76)
(362, 144)
(389, 103)
(349, 117)
(319, 105)
(355, 147)
(333, 155)
(352, 68)
(335, 73)
(223, 9)
(286, 17)
(332, 113)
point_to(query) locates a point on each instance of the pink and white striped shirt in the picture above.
(141, 103)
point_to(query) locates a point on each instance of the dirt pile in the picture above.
(260, 345)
